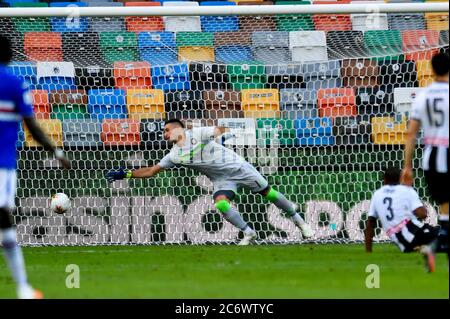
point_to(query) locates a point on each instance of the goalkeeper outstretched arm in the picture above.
(144, 172)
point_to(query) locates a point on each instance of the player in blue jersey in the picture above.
(15, 106)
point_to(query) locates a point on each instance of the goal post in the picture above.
(317, 94)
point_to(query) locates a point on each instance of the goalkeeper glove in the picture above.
(120, 174)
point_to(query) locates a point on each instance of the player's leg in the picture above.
(438, 192)
(289, 208)
(12, 250)
(222, 201)
(249, 177)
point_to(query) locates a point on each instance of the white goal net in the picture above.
(319, 100)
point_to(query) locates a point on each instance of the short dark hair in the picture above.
(175, 121)
(440, 63)
(6, 50)
(392, 175)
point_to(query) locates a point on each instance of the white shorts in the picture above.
(247, 176)
(8, 182)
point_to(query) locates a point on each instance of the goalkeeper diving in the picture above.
(198, 149)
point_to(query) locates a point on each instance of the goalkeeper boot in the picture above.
(28, 292)
(307, 231)
(427, 252)
(249, 237)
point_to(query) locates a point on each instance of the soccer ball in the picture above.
(60, 203)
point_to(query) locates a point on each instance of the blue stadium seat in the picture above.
(67, 25)
(219, 23)
(26, 71)
(107, 104)
(158, 48)
(233, 54)
(315, 131)
(171, 77)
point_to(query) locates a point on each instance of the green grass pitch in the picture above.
(290, 271)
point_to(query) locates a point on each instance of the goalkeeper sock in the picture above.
(231, 215)
(285, 205)
(14, 256)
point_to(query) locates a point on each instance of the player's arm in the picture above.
(143, 172)
(23, 102)
(369, 233)
(407, 173)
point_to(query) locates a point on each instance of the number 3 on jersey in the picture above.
(388, 201)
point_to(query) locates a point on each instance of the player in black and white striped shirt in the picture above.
(431, 112)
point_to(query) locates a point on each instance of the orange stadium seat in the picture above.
(336, 102)
(41, 104)
(140, 24)
(120, 132)
(420, 44)
(43, 46)
(132, 75)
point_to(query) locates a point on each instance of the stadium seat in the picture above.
(437, 21)
(171, 77)
(315, 84)
(398, 74)
(93, 77)
(152, 134)
(195, 46)
(424, 73)
(136, 75)
(352, 130)
(158, 48)
(83, 49)
(247, 76)
(25, 71)
(182, 23)
(271, 47)
(408, 21)
(41, 104)
(43, 46)
(336, 102)
(219, 23)
(31, 24)
(377, 100)
(62, 24)
(106, 24)
(422, 44)
(294, 22)
(315, 131)
(207, 76)
(389, 130)
(332, 22)
(145, 104)
(403, 99)
(82, 133)
(359, 73)
(69, 105)
(384, 43)
(345, 44)
(233, 47)
(222, 104)
(120, 132)
(107, 104)
(321, 70)
(308, 46)
(274, 131)
(55, 76)
(141, 24)
(52, 128)
(298, 103)
(257, 23)
(260, 103)
(118, 46)
(370, 21)
(184, 104)
(284, 76)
